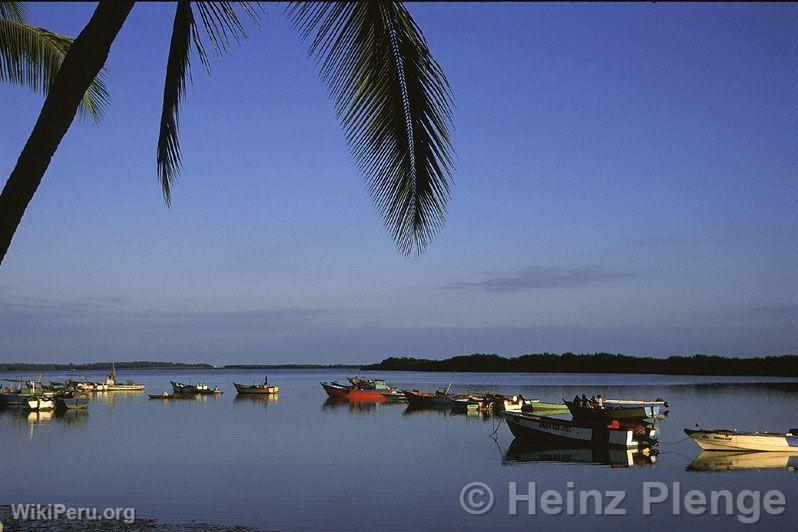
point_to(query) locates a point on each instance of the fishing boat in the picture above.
(743, 461)
(732, 440)
(256, 389)
(40, 403)
(542, 428)
(419, 399)
(19, 396)
(626, 410)
(112, 385)
(200, 388)
(366, 390)
(72, 402)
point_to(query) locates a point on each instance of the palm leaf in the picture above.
(394, 103)
(31, 56)
(221, 23)
(16, 11)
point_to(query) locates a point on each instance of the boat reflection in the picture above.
(73, 417)
(39, 418)
(447, 411)
(262, 399)
(357, 407)
(524, 451)
(743, 461)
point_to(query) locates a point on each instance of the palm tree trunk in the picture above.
(81, 65)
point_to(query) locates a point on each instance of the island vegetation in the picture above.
(775, 366)
(780, 366)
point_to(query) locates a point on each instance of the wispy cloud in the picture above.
(538, 277)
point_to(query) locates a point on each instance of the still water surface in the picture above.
(297, 462)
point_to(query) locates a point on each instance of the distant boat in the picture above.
(732, 440)
(112, 385)
(540, 428)
(256, 389)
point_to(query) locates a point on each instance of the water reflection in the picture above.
(256, 399)
(598, 455)
(112, 398)
(743, 461)
(357, 407)
(447, 411)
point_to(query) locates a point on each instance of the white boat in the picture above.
(732, 440)
(41, 404)
(541, 428)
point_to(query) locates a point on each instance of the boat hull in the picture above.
(72, 403)
(353, 394)
(13, 399)
(607, 414)
(255, 390)
(39, 404)
(724, 440)
(125, 388)
(539, 428)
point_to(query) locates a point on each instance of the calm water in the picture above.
(297, 462)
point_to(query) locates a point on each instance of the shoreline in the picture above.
(588, 364)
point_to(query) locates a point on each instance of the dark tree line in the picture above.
(782, 366)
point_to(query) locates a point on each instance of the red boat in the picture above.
(361, 390)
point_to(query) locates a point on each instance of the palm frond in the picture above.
(16, 11)
(31, 57)
(394, 103)
(221, 22)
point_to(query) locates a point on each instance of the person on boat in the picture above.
(577, 401)
(265, 380)
(583, 403)
(592, 402)
(600, 402)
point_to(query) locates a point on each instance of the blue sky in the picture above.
(626, 182)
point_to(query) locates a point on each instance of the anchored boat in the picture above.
(365, 390)
(112, 385)
(200, 388)
(731, 440)
(40, 403)
(541, 428)
(615, 409)
(256, 389)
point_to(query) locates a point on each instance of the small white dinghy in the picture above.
(732, 440)
(41, 404)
